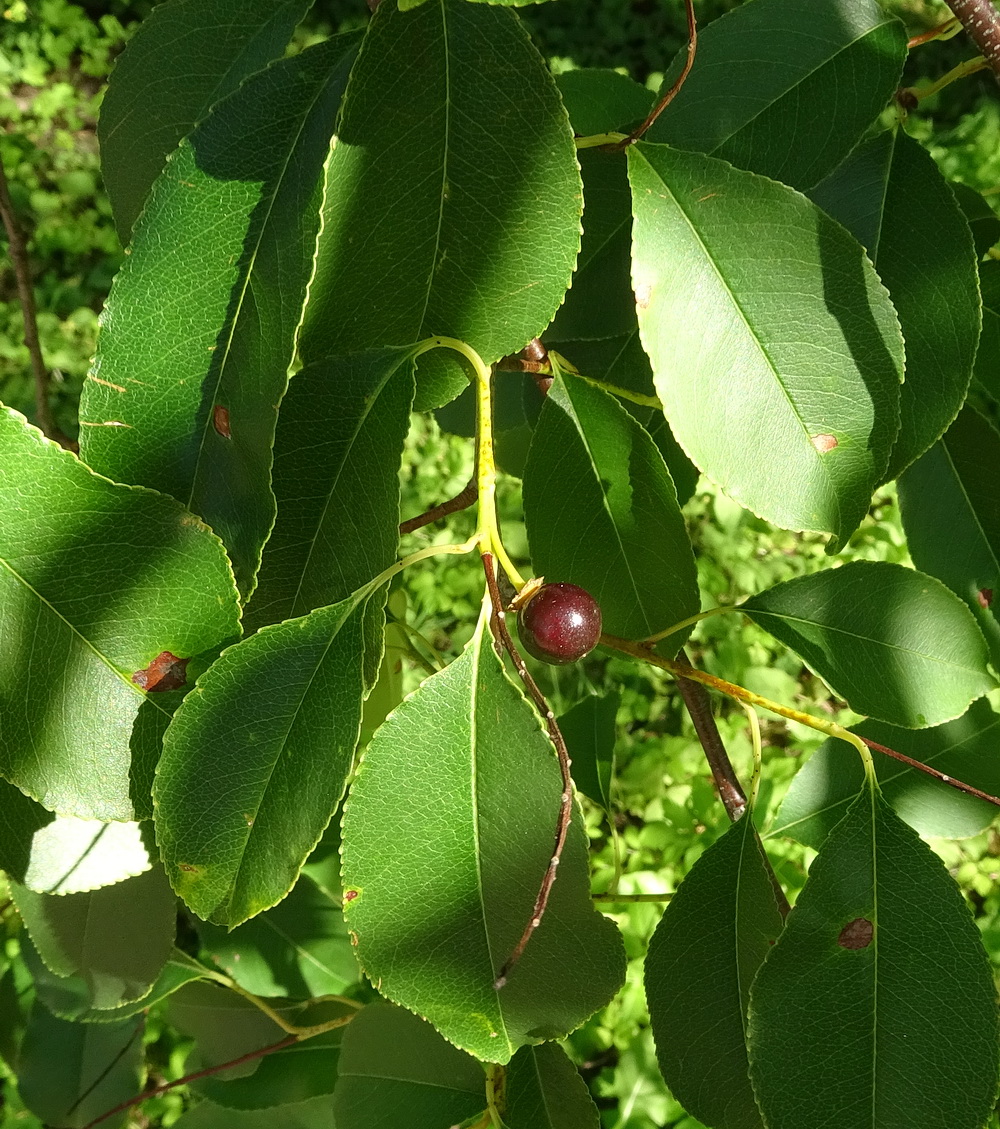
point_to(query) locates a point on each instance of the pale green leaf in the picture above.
(776, 352)
(447, 833)
(96, 582)
(876, 1009)
(894, 643)
(198, 333)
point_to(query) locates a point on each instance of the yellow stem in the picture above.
(963, 70)
(292, 1028)
(687, 623)
(757, 752)
(598, 139)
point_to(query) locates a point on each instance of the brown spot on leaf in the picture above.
(187, 868)
(856, 934)
(220, 421)
(824, 443)
(643, 293)
(165, 672)
(985, 597)
(350, 895)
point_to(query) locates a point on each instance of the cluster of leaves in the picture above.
(195, 634)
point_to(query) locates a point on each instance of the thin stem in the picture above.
(461, 501)
(730, 789)
(963, 70)
(632, 897)
(496, 1099)
(690, 621)
(26, 296)
(672, 93)
(758, 758)
(622, 393)
(942, 31)
(502, 636)
(982, 25)
(944, 778)
(600, 140)
(293, 1028)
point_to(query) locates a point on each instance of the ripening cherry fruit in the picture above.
(560, 623)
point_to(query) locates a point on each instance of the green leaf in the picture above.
(96, 582)
(116, 939)
(594, 478)
(316, 1113)
(544, 1090)
(276, 720)
(983, 222)
(712, 938)
(776, 351)
(454, 162)
(894, 643)
(198, 333)
(72, 1073)
(619, 362)
(890, 195)
(965, 749)
(601, 101)
(950, 505)
(876, 1008)
(226, 1026)
(69, 996)
(987, 369)
(589, 732)
(67, 855)
(21, 819)
(336, 471)
(397, 1072)
(300, 947)
(17, 997)
(786, 88)
(447, 833)
(187, 55)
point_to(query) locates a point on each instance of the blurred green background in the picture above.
(55, 57)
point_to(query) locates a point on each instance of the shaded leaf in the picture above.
(890, 195)
(894, 643)
(273, 724)
(876, 1008)
(544, 1090)
(198, 333)
(983, 222)
(712, 938)
(786, 87)
(987, 368)
(776, 352)
(21, 819)
(600, 100)
(96, 580)
(397, 1072)
(447, 833)
(595, 478)
(589, 732)
(71, 1073)
(316, 1113)
(949, 501)
(70, 856)
(184, 57)
(336, 471)
(616, 361)
(116, 939)
(453, 136)
(823, 789)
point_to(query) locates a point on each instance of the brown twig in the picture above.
(26, 296)
(139, 1098)
(981, 21)
(461, 501)
(937, 775)
(672, 93)
(503, 639)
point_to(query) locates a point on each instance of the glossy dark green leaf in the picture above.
(600, 101)
(69, 996)
(776, 352)
(397, 1072)
(983, 222)
(116, 939)
(684, 473)
(949, 501)
(315, 1113)
(712, 938)
(601, 511)
(187, 55)
(71, 1073)
(454, 162)
(198, 333)
(447, 833)
(890, 195)
(894, 643)
(298, 948)
(589, 732)
(965, 748)
(96, 582)
(876, 1008)
(987, 369)
(619, 362)
(786, 87)
(544, 1090)
(264, 743)
(336, 471)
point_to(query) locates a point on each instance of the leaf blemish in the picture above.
(165, 672)
(220, 421)
(856, 934)
(643, 293)
(984, 597)
(824, 443)
(350, 895)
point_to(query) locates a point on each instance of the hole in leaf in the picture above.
(165, 672)
(856, 934)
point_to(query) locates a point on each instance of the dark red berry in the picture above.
(559, 624)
